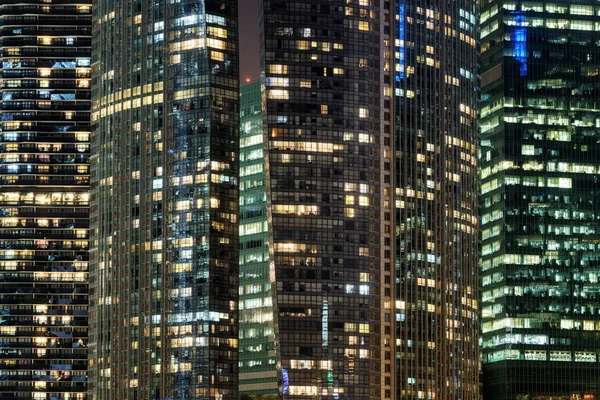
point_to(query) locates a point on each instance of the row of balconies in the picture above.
(43, 2)
(47, 85)
(78, 211)
(20, 234)
(49, 51)
(11, 73)
(45, 180)
(46, 30)
(21, 95)
(40, 299)
(18, 20)
(50, 126)
(43, 169)
(80, 112)
(58, 104)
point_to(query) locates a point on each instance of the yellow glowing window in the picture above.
(82, 136)
(216, 44)
(218, 32)
(278, 94)
(278, 69)
(364, 26)
(182, 205)
(349, 187)
(302, 44)
(217, 56)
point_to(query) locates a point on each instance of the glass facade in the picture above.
(258, 372)
(164, 216)
(328, 137)
(436, 148)
(44, 189)
(540, 155)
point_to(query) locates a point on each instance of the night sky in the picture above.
(249, 49)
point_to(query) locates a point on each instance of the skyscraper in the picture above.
(164, 254)
(540, 119)
(44, 184)
(258, 370)
(328, 139)
(436, 148)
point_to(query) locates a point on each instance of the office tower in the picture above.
(44, 190)
(164, 254)
(329, 194)
(258, 371)
(437, 142)
(540, 199)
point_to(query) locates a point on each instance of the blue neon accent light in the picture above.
(519, 38)
(401, 13)
(285, 380)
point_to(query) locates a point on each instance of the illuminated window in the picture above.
(217, 56)
(278, 94)
(278, 69)
(528, 150)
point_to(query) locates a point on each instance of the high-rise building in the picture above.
(258, 369)
(328, 141)
(540, 196)
(436, 148)
(44, 188)
(164, 251)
